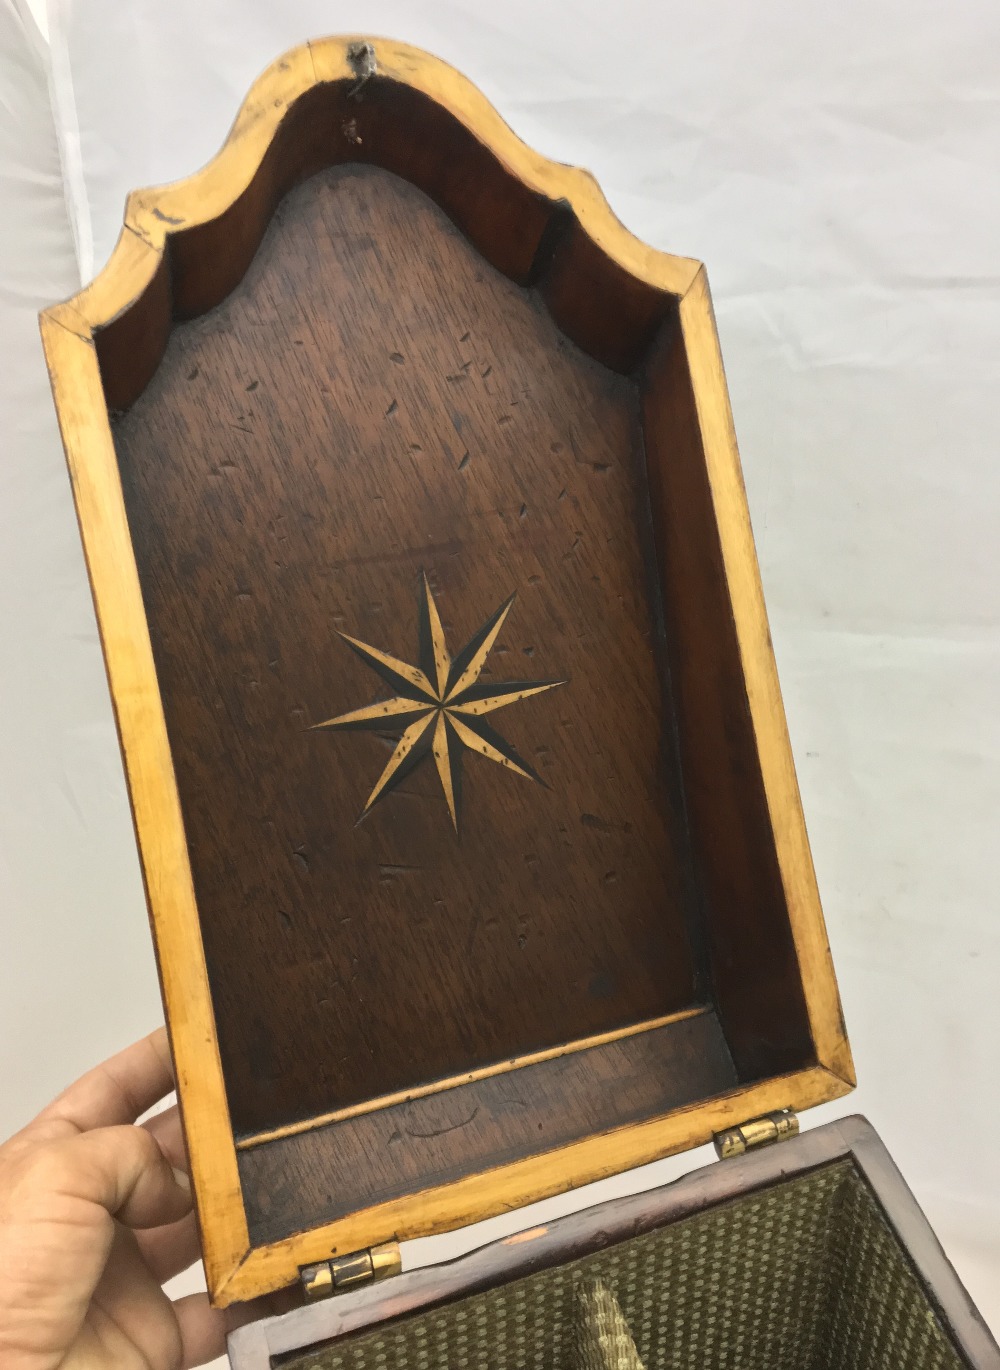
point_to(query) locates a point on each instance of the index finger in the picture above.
(117, 1091)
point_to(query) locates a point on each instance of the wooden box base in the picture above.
(812, 1253)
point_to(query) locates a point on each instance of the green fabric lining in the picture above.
(806, 1275)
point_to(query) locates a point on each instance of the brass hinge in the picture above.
(758, 1132)
(341, 1273)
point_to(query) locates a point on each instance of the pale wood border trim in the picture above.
(767, 712)
(156, 811)
(155, 214)
(234, 1271)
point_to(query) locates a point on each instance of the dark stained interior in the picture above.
(371, 405)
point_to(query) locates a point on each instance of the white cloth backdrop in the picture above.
(836, 167)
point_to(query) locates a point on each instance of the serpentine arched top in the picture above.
(184, 246)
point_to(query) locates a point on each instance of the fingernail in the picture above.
(182, 1180)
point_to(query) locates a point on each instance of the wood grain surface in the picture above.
(744, 908)
(303, 456)
(296, 1181)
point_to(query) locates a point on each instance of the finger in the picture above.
(120, 1169)
(166, 1128)
(119, 1090)
(131, 1315)
(65, 1262)
(169, 1250)
(203, 1330)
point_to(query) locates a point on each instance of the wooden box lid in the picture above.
(413, 512)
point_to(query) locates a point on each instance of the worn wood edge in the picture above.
(406, 1096)
(129, 271)
(928, 1258)
(114, 578)
(475, 1197)
(154, 214)
(767, 712)
(555, 181)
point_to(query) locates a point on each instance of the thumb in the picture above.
(120, 1169)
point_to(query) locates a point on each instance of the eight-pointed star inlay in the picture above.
(440, 705)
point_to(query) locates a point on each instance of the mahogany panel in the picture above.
(372, 404)
(298, 1181)
(755, 975)
(613, 316)
(129, 351)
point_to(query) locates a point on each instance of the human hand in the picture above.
(95, 1214)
